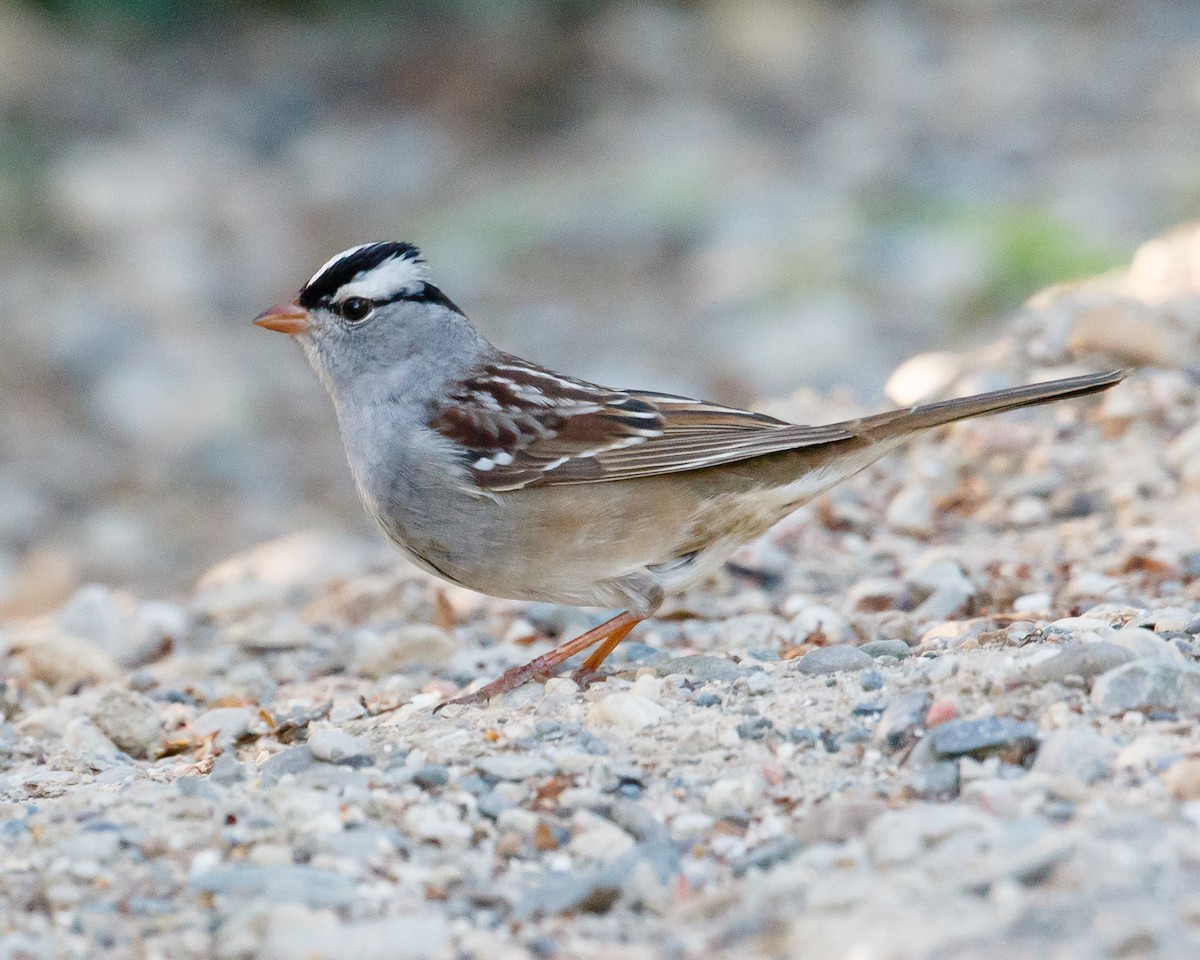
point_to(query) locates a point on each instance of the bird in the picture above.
(503, 476)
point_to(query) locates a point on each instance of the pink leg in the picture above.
(608, 635)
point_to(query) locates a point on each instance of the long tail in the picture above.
(928, 415)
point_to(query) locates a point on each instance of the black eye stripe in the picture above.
(426, 293)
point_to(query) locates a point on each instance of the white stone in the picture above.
(601, 842)
(626, 712)
(733, 796)
(332, 745)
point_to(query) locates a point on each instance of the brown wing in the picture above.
(526, 426)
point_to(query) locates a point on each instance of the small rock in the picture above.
(330, 745)
(1087, 660)
(131, 721)
(378, 654)
(733, 796)
(871, 680)
(1182, 779)
(293, 761)
(947, 589)
(628, 712)
(514, 766)
(82, 733)
(600, 842)
(757, 682)
(431, 777)
(301, 884)
(768, 854)
(1148, 685)
(896, 649)
(810, 619)
(438, 823)
(228, 723)
(826, 660)
(978, 738)
(911, 511)
(901, 721)
(293, 931)
(1079, 752)
(942, 710)
(1145, 644)
(700, 669)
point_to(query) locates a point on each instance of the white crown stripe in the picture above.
(394, 276)
(334, 259)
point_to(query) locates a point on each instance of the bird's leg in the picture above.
(587, 673)
(608, 635)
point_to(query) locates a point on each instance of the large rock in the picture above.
(1149, 685)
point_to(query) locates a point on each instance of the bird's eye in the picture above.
(355, 309)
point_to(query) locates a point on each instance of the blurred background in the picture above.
(730, 198)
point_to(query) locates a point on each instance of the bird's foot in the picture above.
(608, 635)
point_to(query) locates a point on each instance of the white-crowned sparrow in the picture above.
(502, 476)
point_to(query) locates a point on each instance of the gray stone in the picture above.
(293, 761)
(960, 737)
(768, 854)
(1079, 752)
(825, 660)
(1086, 660)
(947, 587)
(300, 884)
(700, 669)
(336, 746)
(431, 777)
(293, 932)
(901, 720)
(871, 680)
(1148, 685)
(514, 766)
(897, 649)
(492, 804)
(131, 721)
(228, 723)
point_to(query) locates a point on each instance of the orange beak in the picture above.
(285, 317)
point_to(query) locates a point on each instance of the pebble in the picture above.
(330, 745)
(1078, 752)
(879, 649)
(733, 796)
(1182, 779)
(1086, 660)
(227, 723)
(293, 931)
(871, 680)
(600, 842)
(1148, 685)
(627, 712)
(947, 589)
(431, 777)
(131, 721)
(514, 766)
(301, 884)
(827, 660)
(1146, 644)
(961, 737)
(901, 721)
(288, 762)
(911, 511)
(811, 619)
(379, 654)
(700, 669)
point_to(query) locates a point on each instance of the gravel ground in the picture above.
(948, 710)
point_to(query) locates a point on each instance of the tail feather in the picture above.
(927, 415)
